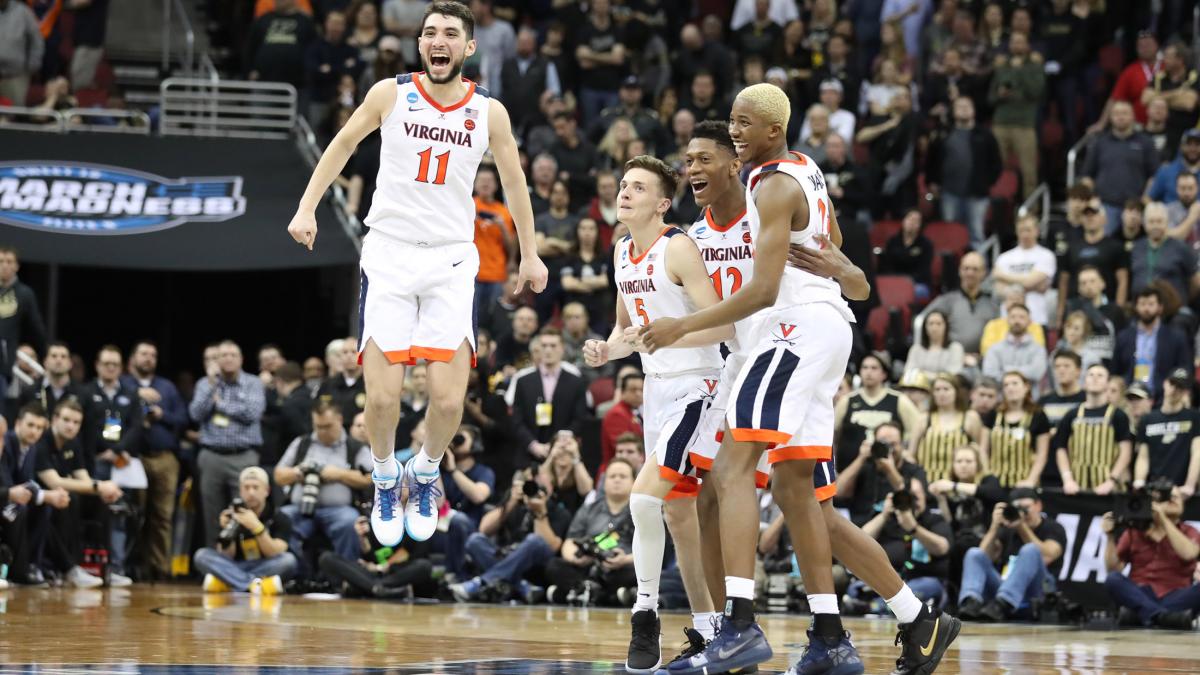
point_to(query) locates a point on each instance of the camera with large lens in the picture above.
(1012, 513)
(310, 487)
(1133, 510)
(902, 500)
(880, 450)
(229, 533)
(531, 489)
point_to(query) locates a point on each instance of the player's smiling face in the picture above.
(753, 137)
(710, 169)
(444, 47)
(640, 198)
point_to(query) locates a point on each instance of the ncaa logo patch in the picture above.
(79, 198)
(412, 97)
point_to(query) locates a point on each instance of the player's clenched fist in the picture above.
(533, 271)
(595, 353)
(303, 229)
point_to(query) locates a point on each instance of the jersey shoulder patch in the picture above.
(403, 78)
(482, 91)
(672, 231)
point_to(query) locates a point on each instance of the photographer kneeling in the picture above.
(1020, 554)
(252, 552)
(917, 541)
(597, 557)
(322, 470)
(528, 530)
(1161, 552)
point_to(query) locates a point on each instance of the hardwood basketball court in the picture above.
(178, 629)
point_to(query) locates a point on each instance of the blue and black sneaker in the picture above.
(421, 512)
(736, 647)
(387, 516)
(822, 658)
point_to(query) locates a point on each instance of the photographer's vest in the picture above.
(306, 441)
(1093, 447)
(1011, 449)
(935, 452)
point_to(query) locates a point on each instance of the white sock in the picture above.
(823, 603)
(906, 606)
(386, 470)
(649, 541)
(705, 623)
(739, 587)
(424, 466)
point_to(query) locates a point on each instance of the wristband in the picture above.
(261, 530)
(95, 486)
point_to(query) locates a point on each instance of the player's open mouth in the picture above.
(699, 186)
(739, 147)
(439, 60)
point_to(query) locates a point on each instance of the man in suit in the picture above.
(555, 400)
(1148, 350)
(24, 503)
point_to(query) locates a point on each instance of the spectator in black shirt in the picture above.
(295, 405)
(649, 128)
(1177, 83)
(759, 37)
(1092, 247)
(1107, 318)
(1030, 548)
(704, 100)
(845, 180)
(891, 139)
(601, 57)
(839, 65)
(257, 558)
(56, 385)
(512, 348)
(112, 429)
(20, 320)
(577, 159)
(585, 275)
(1151, 349)
(382, 572)
(346, 390)
(91, 19)
(326, 60)
(1168, 439)
(362, 176)
(277, 44)
(696, 53)
(525, 75)
(962, 165)
(916, 540)
(867, 481)
(942, 89)
(909, 252)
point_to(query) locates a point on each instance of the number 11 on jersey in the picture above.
(443, 165)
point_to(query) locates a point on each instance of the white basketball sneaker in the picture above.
(387, 519)
(421, 512)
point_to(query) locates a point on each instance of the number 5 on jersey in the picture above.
(443, 165)
(639, 305)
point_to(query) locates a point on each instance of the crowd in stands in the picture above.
(1066, 362)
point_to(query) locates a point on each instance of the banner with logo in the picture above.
(1083, 572)
(159, 203)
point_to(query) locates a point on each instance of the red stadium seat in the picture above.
(601, 390)
(895, 290)
(879, 325)
(91, 97)
(935, 275)
(1007, 185)
(883, 230)
(952, 237)
(1111, 60)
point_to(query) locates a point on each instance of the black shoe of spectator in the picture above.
(996, 610)
(1128, 618)
(401, 593)
(1180, 620)
(969, 609)
(645, 646)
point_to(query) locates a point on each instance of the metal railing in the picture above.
(1039, 198)
(173, 10)
(21, 118)
(1073, 157)
(51, 121)
(306, 143)
(232, 108)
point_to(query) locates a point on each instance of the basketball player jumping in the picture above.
(419, 260)
(780, 398)
(659, 273)
(713, 170)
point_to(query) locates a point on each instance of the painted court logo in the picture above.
(77, 198)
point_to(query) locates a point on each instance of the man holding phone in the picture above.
(1017, 559)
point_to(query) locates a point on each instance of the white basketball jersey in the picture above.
(427, 165)
(728, 252)
(648, 293)
(799, 287)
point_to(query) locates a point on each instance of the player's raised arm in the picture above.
(366, 118)
(508, 164)
(776, 208)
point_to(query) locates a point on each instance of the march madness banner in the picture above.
(1082, 576)
(145, 202)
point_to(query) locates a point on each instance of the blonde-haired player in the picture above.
(783, 398)
(419, 261)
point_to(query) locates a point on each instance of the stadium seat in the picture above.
(880, 324)
(1111, 60)
(896, 290)
(1006, 186)
(601, 390)
(883, 230)
(945, 236)
(91, 97)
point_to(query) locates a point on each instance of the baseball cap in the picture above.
(389, 43)
(1192, 134)
(1023, 493)
(254, 473)
(1137, 390)
(632, 81)
(832, 85)
(1180, 377)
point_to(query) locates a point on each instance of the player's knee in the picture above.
(446, 405)
(381, 403)
(645, 509)
(679, 512)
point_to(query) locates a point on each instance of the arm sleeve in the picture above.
(174, 412)
(578, 528)
(289, 456)
(1120, 423)
(250, 407)
(524, 434)
(202, 403)
(131, 442)
(1125, 546)
(1158, 187)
